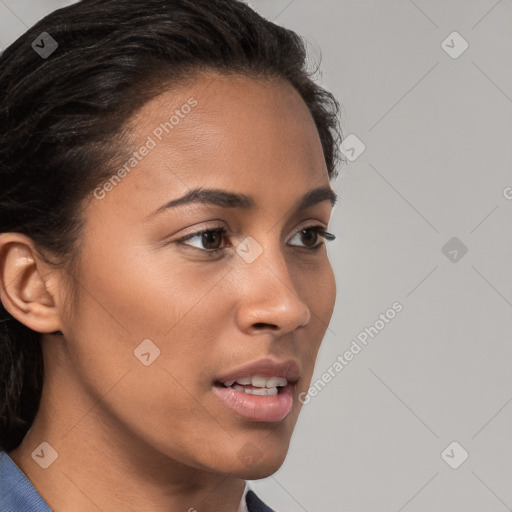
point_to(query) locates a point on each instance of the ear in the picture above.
(28, 286)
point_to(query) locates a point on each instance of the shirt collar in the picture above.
(242, 507)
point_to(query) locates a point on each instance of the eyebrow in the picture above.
(225, 199)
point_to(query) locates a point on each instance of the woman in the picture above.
(165, 171)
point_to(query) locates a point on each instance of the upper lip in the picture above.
(288, 369)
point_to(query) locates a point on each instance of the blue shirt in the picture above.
(17, 494)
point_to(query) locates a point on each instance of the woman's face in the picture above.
(161, 324)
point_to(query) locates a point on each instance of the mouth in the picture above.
(261, 391)
(257, 385)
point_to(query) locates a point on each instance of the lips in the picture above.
(260, 391)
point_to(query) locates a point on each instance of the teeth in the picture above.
(258, 384)
(259, 381)
(276, 381)
(256, 391)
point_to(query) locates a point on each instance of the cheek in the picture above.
(326, 296)
(165, 402)
(319, 292)
(133, 298)
(329, 292)
(141, 294)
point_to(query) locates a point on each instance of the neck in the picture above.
(100, 466)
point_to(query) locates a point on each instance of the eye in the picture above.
(209, 240)
(311, 234)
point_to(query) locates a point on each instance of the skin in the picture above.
(157, 438)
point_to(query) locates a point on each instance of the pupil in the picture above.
(210, 237)
(311, 235)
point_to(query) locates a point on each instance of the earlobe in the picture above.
(27, 284)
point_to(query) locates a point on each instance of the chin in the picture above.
(251, 460)
(260, 469)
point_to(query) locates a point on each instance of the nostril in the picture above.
(262, 324)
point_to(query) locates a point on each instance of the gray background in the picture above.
(438, 157)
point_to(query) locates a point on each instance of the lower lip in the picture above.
(269, 408)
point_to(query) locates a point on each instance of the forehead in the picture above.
(231, 110)
(249, 135)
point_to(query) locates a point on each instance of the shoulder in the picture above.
(16, 491)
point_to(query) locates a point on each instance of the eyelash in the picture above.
(328, 237)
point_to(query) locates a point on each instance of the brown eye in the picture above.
(210, 240)
(310, 237)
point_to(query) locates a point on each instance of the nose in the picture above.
(269, 298)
